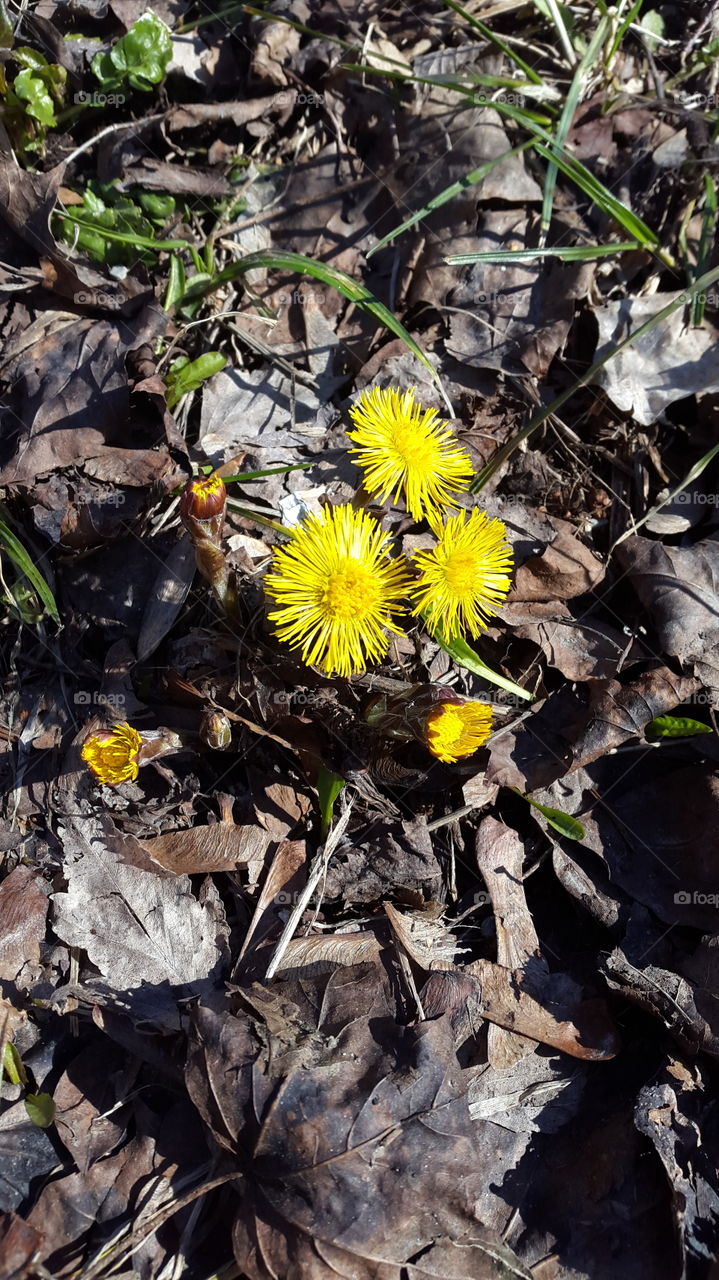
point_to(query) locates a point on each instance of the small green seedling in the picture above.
(569, 827)
(676, 727)
(139, 59)
(187, 375)
(31, 98)
(115, 228)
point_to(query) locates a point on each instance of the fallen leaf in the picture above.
(678, 588)
(23, 911)
(674, 360)
(138, 927)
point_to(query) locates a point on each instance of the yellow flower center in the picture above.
(351, 592)
(457, 730)
(415, 449)
(460, 571)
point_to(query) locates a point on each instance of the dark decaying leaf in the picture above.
(20, 1245)
(89, 1121)
(23, 911)
(681, 1122)
(500, 856)
(652, 838)
(678, 588)
(70, 391)
(334, 1124)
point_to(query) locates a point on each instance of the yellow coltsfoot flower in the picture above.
(113, 755)
(337, 590)
(403, 448)
(465, 578)
(453, 730)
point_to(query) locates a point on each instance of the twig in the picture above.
(111, 128)
(317, 870)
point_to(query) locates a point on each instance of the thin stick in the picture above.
(317, 870)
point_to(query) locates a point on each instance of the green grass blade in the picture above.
(546, 146)
(126, 237)
(21, 559)
(706, 243)
(245, 476)
(541, 415)
(576, 89)
(488, 34)
(630, 222)
(692, 475)
(568, 253)
(471, 180)
(344, 284)
(621, 32)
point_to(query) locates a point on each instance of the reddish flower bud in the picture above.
(204, 499)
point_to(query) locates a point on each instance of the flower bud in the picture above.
(202, 510)
(215, 730)
(449, 725)
(204, 498)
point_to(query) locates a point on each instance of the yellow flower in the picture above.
(453, 730)
(113, 754)
(337, 589)
(466, 576)
(403, 447)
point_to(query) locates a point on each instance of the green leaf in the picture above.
(176, 283)
(7, 34)
(155, 205)
(676, 727)
(329, 785)
(31, 88)
(12, 1065)
(344, 284)
(21, 559)
(140, 58)
(566, 826)
(186, 376)
(471, 661)
(40, 1108)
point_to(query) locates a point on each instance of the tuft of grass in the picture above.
(23, 563)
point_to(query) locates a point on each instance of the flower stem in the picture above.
(466, 657)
